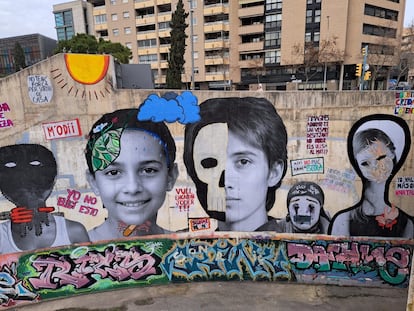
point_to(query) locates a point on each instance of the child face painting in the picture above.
(376, 161)
(237, 174)
(133, 187)
(304, 212)
(247, 178)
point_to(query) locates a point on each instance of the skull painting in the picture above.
(210, 163)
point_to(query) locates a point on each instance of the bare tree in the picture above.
(314, 56)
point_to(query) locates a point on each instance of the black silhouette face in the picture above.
(27, 173)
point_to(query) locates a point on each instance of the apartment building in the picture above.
(240, 44)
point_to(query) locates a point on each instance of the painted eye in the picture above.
(296, 207)
(209, 162)
(365, 163)
(10, 164)
(35, 163)
(381, 157)
(311, 207)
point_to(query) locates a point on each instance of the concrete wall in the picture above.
(37, 104)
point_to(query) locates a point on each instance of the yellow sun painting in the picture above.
(89, 70)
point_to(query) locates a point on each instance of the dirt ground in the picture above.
(245, 295)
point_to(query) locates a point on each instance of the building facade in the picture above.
(274, 44)
(72, 18)
(36, 47)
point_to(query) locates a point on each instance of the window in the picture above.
(195, 38)
(115, 31)
(308, 37)
(372, 10)
(64, 25)
(195, 55)
(125, 14)
(128, 45)
(193, 4)
(379, 31)
(317, 18)
(114, 17)
(273, 4)
(272, 38)
(113, 2)
(273, 21)
(147, 43)
(127, 30)
(316, 36)
(164, 25)
(100, 19)
(272, 57)
(124, 1)
(150, 58)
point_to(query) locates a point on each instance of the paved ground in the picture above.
(229, 296)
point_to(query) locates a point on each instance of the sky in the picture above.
(22, 17)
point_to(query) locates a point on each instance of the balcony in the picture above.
(251, 11)
(151, 34)
(145, 51)
(144, 20)
(216, 27)
(251, 63)
(216, 76)
(250, 29)
(216, 44)
(251, 46)
(100, 27)
(216, 61)
(140, 4)
(216, 9)
(163, 64)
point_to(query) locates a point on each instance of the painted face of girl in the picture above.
(133, 187)
(304, 212)
(376, 161)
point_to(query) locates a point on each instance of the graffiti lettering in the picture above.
(391, 264)
(40, 89)
(226, 258)
(116, 263)
(12, 289)
(4, 121)
(184, 198)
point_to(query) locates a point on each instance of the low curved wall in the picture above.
(61, 272)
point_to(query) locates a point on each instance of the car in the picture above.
(403, 86)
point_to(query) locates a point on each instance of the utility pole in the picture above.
(192, 43)
(325, 70)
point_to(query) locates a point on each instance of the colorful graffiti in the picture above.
(404, 103)
(4, 121)
(97, 267)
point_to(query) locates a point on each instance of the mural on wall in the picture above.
(27, 176)
(175, 190)
(305, 211)
(377, 148)
(83, 75)
(236, 163)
